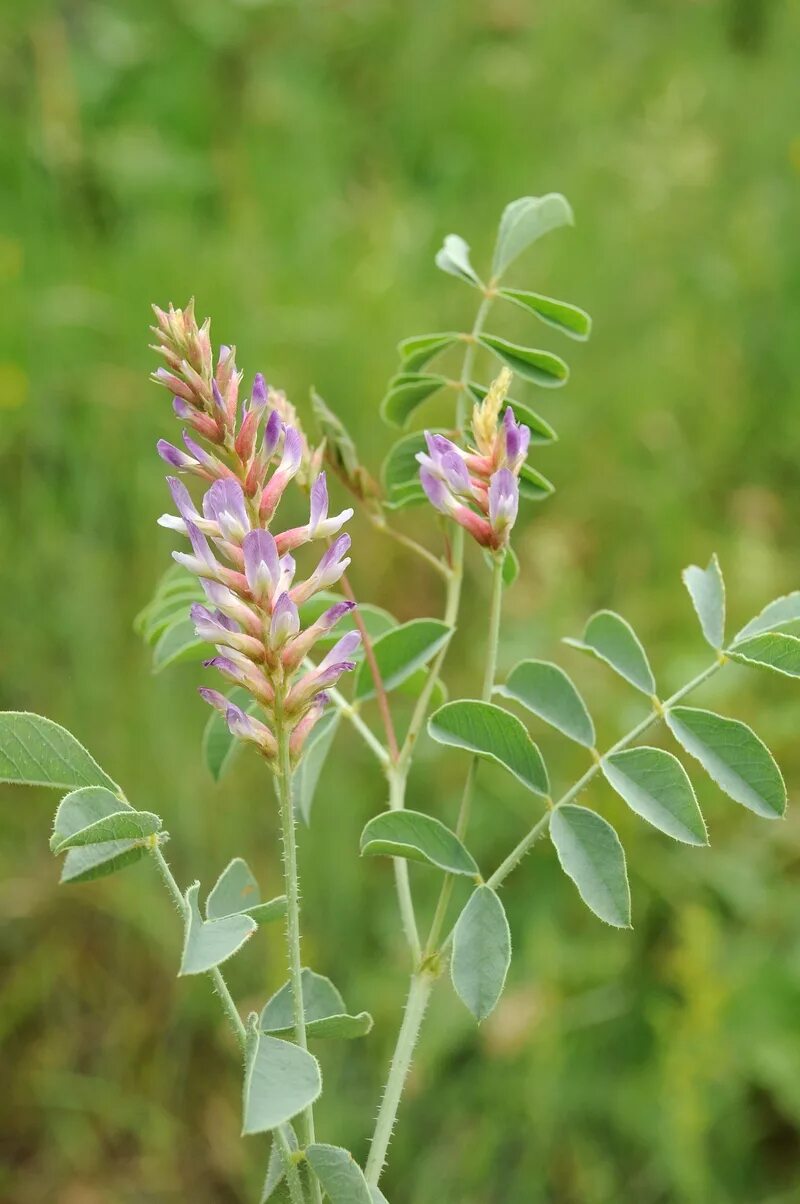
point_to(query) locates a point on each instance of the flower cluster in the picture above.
(246, 570)
(479, 487)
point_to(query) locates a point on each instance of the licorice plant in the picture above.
(284, 647)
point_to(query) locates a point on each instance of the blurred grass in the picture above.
(295, 166)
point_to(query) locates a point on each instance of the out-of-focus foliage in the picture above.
(295, 165)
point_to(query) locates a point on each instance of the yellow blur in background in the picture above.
(295, 166)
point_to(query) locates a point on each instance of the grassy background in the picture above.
(295, 165)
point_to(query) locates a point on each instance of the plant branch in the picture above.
(292, 887)
(351, 714)
(380, 689)
(293, 1182)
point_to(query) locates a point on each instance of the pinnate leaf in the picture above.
(281, 1079)
(707, 590)
(481, 952)
(733, 756)
(177, 644)
(78, 810)
(34, 751)
(339, 1174)
(530, 363)
(489, 731)
(547, 691)
(209, 943)
(417, 837)
(526, 220)
(655, 785)
(592, 856)
(569, 319)
(400, 652)
(771, 650)
(417, 350)
(608, 636)
(323, 1007)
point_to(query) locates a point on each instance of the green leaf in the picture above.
(339, 1174)
(523, 222)
(325, 1012)
(416, 351)
(219, 745)
(569, 319)
(655, 785)
(541, 431)
(406, 393)
(453, 257)
(77, 811)
(209, 943)
(707, 591)
(489, 731)
(400, 652)
(780, 613)
(165, 610)
(608, 636)
(122, 825)
(236, 892)
(34, 751)
(481, 952)
(533, 485)
(591, 855)
(772, 650)
(547, 691)
(315, 752)
(400, 469)
(276, 1167)
(413, 686)
(541, 367)
(99, 860)
(733, 756)
(417, 837)
(177, 644)
(510, 568)
(281, 1079)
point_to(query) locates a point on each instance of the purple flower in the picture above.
(319, 504)
(202, 562)
(436, 491)
(272, 433)
(224, 504)
(262, 566)
(245, 727)
(503, 502)
(174, 456)
(330, 568)
(285, 621)
(516, 438)
(259, 393)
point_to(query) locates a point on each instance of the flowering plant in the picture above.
(235, 601)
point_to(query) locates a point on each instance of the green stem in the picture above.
(293, 1181)
(397, 785)
(292, 887)
(416, 1004)
(489, 672)
(351, 714)
(215, 974)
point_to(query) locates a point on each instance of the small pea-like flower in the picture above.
(253, 617)
(478, 487)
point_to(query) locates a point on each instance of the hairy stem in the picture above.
(397, 786)
(489, 672)
(375, 673)
(292, 887)
(416, 1005)
(421, 981)
(296, 1193)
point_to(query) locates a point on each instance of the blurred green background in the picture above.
(295, 166)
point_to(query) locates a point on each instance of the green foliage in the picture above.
(209, 943)
(34, 751)
(733, 755)
(566, 318)
(771, 650)
(655, 785)
(489, 731)
(524, 222)
(610, 638)
(323, 1007)
(591, 855)
(539, 367)
(547, 691)
(236, 892)
(707, 591)
(417, 837)
(306, 776)
(400, 652)
(339, 1174)
(280, 1080)
(481, 952)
